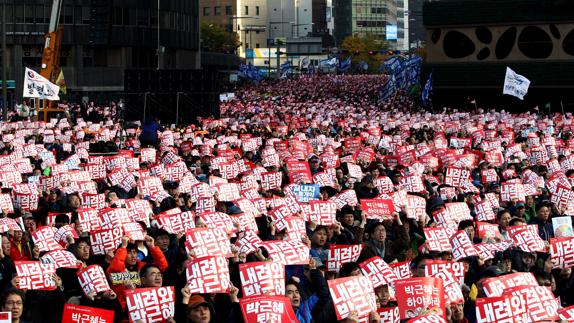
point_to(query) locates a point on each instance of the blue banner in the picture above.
(285, 69)
(306, 192)
(388, 89)
(427, 91)
(345, 65)
(249, 72)
(392, 65)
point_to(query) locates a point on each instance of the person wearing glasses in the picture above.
(12, 300)
(151, 276)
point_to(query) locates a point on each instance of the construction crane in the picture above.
(51, 55)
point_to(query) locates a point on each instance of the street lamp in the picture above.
(232, 18)
(277, 44)
(158, 44)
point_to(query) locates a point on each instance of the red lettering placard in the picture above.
(380, 209)
(352, 294)
(505, 308)
(35, 275)
(456, 176)
(527, 238)
(488, 230)
(61, 259)
(85, 314)
(93, 280)
(567, 313)
(378, 271)
(206, 242)
(455, 268)
(248, 242)
(263, 309)
(262, 278)
(562, 252)
(461, 245)
(438, 238)
(320, 212)
(484, 211)
(175, 223)
(418, 295)
(512, 192)
(389, 314)
(346, 197)
(430, 318)
(106, 239)
(208, 275)
(402, 269)
(44, 239)
(154, 304)
(497, 285)
(541, 305)
(342, 254)
(287, 252)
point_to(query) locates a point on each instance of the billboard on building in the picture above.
(391, 32)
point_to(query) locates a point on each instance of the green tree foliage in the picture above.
(365, 48)
(217, 38)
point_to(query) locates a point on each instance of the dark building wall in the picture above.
(342, 15)
(417, 33)
(103, 37)
(319, 9)
(470, 44)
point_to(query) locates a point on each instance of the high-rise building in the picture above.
(292, 18)
(247, 18)
(417, 33)
(342, 20)
(402, 24)
(101, 39)
(376, 17)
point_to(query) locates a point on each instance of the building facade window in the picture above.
(246, 12)
(257, 10)
(206, 11)
(217, 11)
(228, 10)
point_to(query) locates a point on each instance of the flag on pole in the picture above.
(305, 62)
(345, 65)
(388, 89)
(61, 82)
(285, 69)
(37, 86)
(515, 84)
(427, 90)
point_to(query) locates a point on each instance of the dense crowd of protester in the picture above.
(315, 182)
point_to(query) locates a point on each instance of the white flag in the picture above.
(515, 84)
(37, 86)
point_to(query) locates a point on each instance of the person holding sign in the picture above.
(304, 308)
(126, 258)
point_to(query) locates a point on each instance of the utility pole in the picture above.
(4, 66)
(279, 42)
(158, 44)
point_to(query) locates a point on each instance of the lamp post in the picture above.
(158, 44)
(232, 18)
(276, 43)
